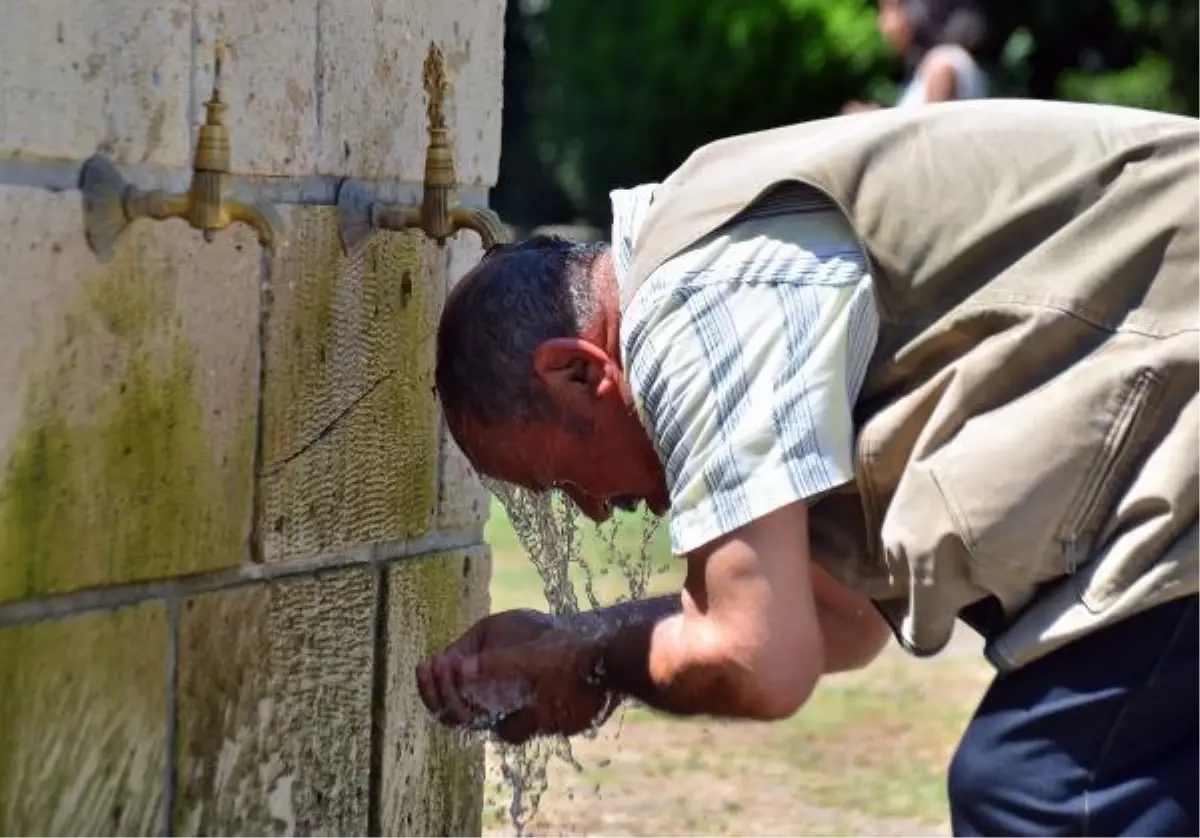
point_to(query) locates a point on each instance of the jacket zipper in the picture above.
(1112, 455)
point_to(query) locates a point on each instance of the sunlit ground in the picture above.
(866, 756)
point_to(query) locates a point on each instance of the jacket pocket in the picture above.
(1039, 474)
(1110, 469)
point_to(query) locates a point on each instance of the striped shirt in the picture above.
(745, 354)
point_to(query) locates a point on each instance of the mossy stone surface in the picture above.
(351, 423)
(432, 779)
(83, 724)
(132, 454)
(274, 709)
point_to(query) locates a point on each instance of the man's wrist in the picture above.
(615, 645)
(592, 669)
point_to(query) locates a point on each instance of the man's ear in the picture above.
(573, 371)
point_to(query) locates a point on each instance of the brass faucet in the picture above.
(439, 215)
(111, 203)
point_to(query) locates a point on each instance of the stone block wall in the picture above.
(231, 520)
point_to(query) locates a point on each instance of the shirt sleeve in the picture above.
(745, 355)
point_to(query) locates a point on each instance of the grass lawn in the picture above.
(866, 755)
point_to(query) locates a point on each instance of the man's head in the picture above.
(529, 374)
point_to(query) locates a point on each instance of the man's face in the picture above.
(602, 464)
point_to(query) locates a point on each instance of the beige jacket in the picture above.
(1028, 425)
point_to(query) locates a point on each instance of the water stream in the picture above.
(548, 528)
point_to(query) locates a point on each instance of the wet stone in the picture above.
(432, 777)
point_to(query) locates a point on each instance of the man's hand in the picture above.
(742, 641)
(757, 625)
(520, 673)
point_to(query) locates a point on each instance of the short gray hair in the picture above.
(518, 297)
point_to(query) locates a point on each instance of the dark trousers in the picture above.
(1097, 738)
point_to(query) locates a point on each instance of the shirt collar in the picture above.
(629, 207)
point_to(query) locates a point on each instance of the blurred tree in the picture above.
(1158, 39)
(626, 89)
(612, 93)
(526, 192)
(1141, 53)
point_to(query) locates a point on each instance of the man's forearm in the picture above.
(622, 637)
(852, 639)
(632, 639)
(628, 635)
(604, 622)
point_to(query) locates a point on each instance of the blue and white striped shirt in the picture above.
(745, 354)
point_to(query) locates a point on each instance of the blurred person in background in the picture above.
(938, 39)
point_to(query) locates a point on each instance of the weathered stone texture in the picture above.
(432, 781)
(82, 712)
(81, 77)
(136, 396)
(463, 503)
(127, 427)
(268, 81)
(275, 708)
(373, 122)
(351, 428)
(314, 86)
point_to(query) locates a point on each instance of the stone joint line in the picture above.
(108, 597)
(310, 190)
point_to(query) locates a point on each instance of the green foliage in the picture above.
(627, 89)
(1146, 84)
(617, 92)
(1165, 33)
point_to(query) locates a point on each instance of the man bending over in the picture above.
(887, 373)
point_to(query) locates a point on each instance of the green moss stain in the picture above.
(81, 724)
(303, 278)
(35, 473)
(127, 302)
(115, 499)
(350, 418)
(433, 781)
(438, 599)
(453, 780)
(405, 304)
(224, 667)
(111, 477)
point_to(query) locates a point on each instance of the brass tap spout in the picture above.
(261, 216)
(486, 224)
(110, 203)
(439, 215)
